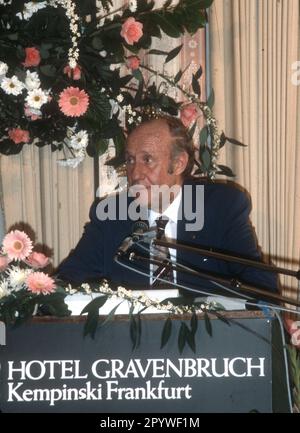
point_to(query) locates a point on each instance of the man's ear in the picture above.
(179, 163)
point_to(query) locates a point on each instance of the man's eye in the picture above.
(129, 160)
(148, 159)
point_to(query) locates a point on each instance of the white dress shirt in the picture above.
(171, 228)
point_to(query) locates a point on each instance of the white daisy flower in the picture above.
(36, 98)
(79, 140)
(12, 86)
(80, 153)
(17, 277)
(4, 289)
(132, 5)
(30, 8)
(32, 80)
(3, 69)
(120, 98)
(114, 66)
(114, 107)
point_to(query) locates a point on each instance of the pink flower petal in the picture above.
(17, 245)
(73, 101)
(40, 283)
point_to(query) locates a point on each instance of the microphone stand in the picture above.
(247, 262)
(235, 284)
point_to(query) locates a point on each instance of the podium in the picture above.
(48, 366)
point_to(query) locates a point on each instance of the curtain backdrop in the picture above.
(253, 47)
(50, 201)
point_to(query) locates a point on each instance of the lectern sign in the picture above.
(160, 378)
(47, 366)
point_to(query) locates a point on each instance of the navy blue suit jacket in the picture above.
(226, 229)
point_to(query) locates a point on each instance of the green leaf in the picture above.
(180, 300)
(138, 75)
(94, 305)
(236, 142)
(133, 331)
(223, 139)
(196, 86)
(192, 130)
(158, 52)
(54, 304)
(211, 99)
(194, 323)
(167, 24)
(178, 76)
(91, 324)
(98, 147)
(111, 314)
(97, 43)
(198, 73)
(173, 53)
(119, 142)
(206, 158)
(166, 332)
(203, 136)
(9, 148)
(221, 317)
(139, 331)
(92, 309)
(182, 337)
(138, 95)
(226, 171)
(208, 326)
(44, 53)
(48, 70)
(13, 36)
(46, 46)
(125, 80)
(190, 338)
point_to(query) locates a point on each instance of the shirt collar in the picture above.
(171, 212)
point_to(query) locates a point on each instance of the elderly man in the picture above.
(159, 160)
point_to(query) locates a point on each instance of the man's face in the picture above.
(148, 160)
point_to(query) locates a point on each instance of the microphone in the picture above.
(139, 229)
(125, 245)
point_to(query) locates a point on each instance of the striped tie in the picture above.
(164, 270)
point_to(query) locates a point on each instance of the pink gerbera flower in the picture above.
(38, 283)
(17, 245)
(73, 101)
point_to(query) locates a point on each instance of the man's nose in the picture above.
(136, 171)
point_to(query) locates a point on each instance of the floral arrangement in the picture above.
(26, 291)
(71, 76)
(24, 288)
(140, 302)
